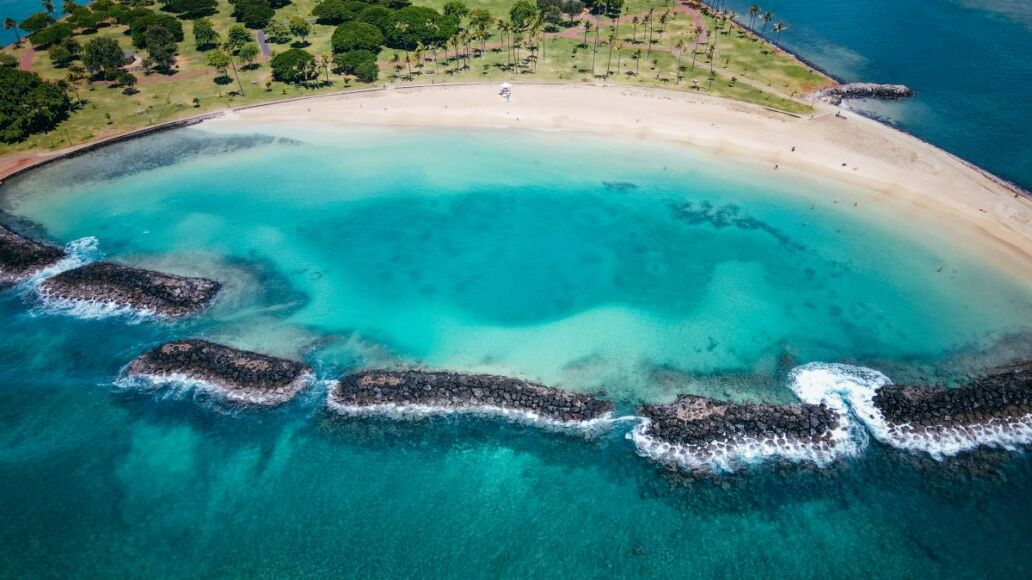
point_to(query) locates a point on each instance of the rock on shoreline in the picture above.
(163, 294)
(835, 95)
(696, 432)
(21, 257)
(454, 391)
(237, 375)
(996, 402)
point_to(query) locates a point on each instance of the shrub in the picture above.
(8, 60)
(367, 71)
(347, 62)
(356, 36)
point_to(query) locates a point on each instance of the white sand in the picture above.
(920, 178)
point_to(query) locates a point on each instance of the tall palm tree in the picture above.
(662, 25)
(403, 27)
(678, 53)
(648, 48)
(637, 61)
(324, 61)
(11, 24)
(766, 18)
(695, 49)
(634, 31)
(619, 56)
(48, 6)
(754, 10)
(612, 41)
(587, 29)
(778, 29)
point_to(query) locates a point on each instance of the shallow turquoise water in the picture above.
(640, 268)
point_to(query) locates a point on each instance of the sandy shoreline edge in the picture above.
(849, 147)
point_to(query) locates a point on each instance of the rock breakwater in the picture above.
(133, 288)
(699, 433)
(21, 258)
(995, 410)
(421, 392)
(236, 375)
(835, 95)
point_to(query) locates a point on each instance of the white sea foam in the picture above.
(728, 454)
(179, 384)
(398, 411)
(850, 390)
(77, 253)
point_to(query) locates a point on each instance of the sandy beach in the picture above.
(848, 148)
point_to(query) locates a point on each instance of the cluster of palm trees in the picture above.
(765, 16)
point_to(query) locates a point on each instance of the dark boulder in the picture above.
(237, 375)
(163, 294)
(21, 257)
(465, 391)
(835, 95)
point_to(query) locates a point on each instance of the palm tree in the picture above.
(778, 29)
(587, 29)
(754, 10)
(679, 52)
(648, 49)
(634, 34)
(695, 49)
(619, 56)
(766, 18)
(637, 61)
(662, 25)
(612, 41)
(403, 27)
(11, 24)
(48, 6)
(324, 62)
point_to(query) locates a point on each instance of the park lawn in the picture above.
(745, 68)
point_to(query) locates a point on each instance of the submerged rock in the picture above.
(237, 375)
(104, 282)
(835, 95)
(21, 257)
(463, 392)
(699, 433)
(993, 410)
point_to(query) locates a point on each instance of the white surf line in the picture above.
(850, 390)
(182, 383)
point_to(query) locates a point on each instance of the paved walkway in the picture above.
(263, 44)
(25, 62)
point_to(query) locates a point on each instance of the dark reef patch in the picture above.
(21, 257)
(237, 375)
(104, 282)
(462, 392)
(729, 216)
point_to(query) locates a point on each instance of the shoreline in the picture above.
(849, 148)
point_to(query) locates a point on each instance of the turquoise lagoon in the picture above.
(638, 268)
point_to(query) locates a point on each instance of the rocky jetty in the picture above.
(21, 257)
(993, 410)
(145, 290)
(447, 392)
(237, 375)
(699, 433)
(835, 95)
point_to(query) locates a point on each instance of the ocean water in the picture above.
(639, 268)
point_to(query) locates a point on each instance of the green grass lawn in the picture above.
(744, 68)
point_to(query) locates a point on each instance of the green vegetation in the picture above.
(129, 63)
(29, 105)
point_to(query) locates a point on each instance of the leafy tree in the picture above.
(102, 54)
(62, 55)
(218, 59)
(456, 10)
(378, 16)
(347, 62)
(52, 34)
(293, 66)
(356, 36)
(139, 26)
(191, 9)
(36, 22)
(161, 48)
(238, 36)
(128, 81)
(522, 14)
(300, 28)
(419, 24)
(249, 53)
(337, 11)
(205, 35)
(367, 71)
(277, 31)
(253, 13)
(29, 104)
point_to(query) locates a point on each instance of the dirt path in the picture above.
(25, 61)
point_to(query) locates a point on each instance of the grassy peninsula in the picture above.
(168, 74)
